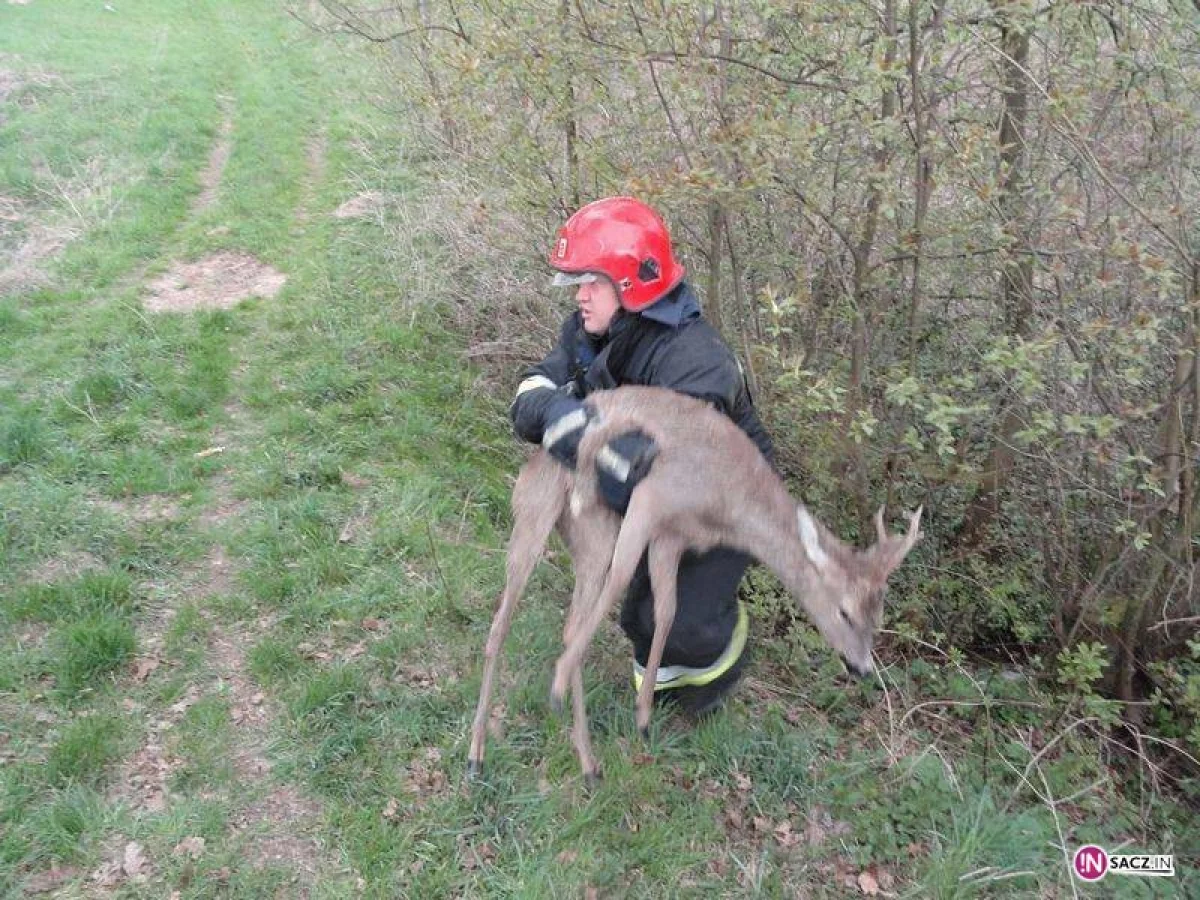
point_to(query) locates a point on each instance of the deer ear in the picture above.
(810, 537)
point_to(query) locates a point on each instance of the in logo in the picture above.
(1090, 863)
(562, 247)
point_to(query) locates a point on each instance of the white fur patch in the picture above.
(810, 537)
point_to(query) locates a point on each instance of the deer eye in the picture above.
(845, 616)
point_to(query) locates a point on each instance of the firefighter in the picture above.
(639, 322)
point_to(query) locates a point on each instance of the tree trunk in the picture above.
(1178, 484)
(1016, 274)
(572, 127)
(716, 229)
(739, 294)
(718, 223)
(1191, 456)
(922, 180)
(863, 291)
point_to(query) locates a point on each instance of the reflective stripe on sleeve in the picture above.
(614, 463)
(533, 382)
(572, 421)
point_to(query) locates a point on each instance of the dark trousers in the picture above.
(706, 608)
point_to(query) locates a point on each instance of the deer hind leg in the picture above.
(536, 507)
(631, 541)
(579, 732)
(591, 539)
(587, 575)
(664, 571)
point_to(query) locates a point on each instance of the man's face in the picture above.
(598, 304)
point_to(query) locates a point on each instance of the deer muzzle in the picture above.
(863, 669)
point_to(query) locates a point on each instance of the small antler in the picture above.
(910, 537)
(891, 549)
(914, 529)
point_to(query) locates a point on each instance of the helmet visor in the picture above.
(568, 279)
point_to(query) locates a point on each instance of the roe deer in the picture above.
(709, 486)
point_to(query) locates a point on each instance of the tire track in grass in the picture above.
(220, 280)
(314, 168)
(277, 825)
(218, 158)
(142, 782)
(272, 824)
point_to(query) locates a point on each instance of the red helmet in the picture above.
(625, 240)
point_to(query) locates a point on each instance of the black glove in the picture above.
(566, 421)
(621, 464)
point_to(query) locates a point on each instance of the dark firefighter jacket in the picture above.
(666, 345)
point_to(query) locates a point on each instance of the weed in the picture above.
(84, 750)
(24, 437)
(64, 601)
(88, 649)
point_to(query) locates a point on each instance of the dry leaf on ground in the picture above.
(190, 846)
(134, 861)
(868, 884)
(45, 882)
(784, 835)
(143, 667)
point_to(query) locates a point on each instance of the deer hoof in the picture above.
(556, 703)
(592, 780)
(474, 769)
(644, 731)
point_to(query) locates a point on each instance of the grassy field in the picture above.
(250, 554)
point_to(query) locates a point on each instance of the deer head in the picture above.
(844, 595)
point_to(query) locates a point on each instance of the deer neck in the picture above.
(769, 534)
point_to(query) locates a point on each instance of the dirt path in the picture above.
(218, 157)
(276, 823)
(225, 279)
(272, 824)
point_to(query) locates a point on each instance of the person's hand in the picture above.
(621, 464)
(566, 421)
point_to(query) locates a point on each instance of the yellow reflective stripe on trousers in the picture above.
(687, 676)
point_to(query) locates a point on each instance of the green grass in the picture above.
(317, 592)
(88, 650)
(84, 751)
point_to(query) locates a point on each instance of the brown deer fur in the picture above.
(709, 486)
